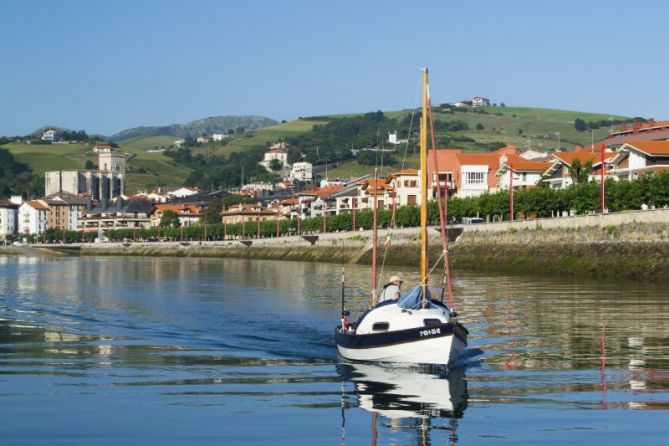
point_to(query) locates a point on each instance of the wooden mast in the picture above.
(423, 193)
(374, 236)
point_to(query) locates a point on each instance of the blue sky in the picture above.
(104, 66)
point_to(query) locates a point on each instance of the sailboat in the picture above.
(414, 328)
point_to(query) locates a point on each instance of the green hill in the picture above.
(479, 129)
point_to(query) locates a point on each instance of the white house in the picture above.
(51, 135)
(478, 101)
(219, 136)
(184, 192)
(8, 218)
(406, 185)
(257, 189)
(203, 139)
(636, 158)
(526, 173)
(32, 218)
(392, 139)
(98, 148)
(280, 155)
(301, 171)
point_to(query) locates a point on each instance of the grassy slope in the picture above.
(539, 127)
(148, 142)
(262, 136)
(159, 169)
(539, 124)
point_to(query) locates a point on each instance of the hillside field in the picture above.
(525, 127)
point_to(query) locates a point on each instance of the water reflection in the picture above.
(255, 337)
(408, 399)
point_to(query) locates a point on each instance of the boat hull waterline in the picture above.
(422, 345)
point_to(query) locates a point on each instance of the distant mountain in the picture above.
(216, 124)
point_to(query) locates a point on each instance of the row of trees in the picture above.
(541, 201)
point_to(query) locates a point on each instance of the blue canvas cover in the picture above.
(412, 300)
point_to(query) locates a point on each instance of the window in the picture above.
(474, 178)
(380, 326)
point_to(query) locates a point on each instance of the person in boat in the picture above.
(391, 290)
(344, 320)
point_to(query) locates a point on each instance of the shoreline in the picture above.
(633, 245)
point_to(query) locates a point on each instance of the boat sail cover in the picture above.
(412, 300)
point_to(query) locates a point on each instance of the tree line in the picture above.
(542, 201)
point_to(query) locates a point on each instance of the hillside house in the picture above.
(479, 101)
(301, 171)
(557, 175)
(102, 148)
(279, 154)
(636, 158)
(52, 135)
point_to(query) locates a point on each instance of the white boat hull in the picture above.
(431, 350)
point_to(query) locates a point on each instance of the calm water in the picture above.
(206, 351)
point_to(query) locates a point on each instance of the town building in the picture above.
(106, 183)
(184, 192)
(650, 130)
(65, 210)
(406, 184)
(188, 214)
(558, 173)
(636, 158)
(325, 201)
(100, 148)
(281, 156)
(203, 139)
(371, 189)
(301, 171)
(244, 213)
(119, 214)
(32, 218)
(526, 173)
(465, 174)
(8, 218)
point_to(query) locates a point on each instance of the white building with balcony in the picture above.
(32, 218)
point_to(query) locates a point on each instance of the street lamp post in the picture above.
(558, 135)
(511, 192)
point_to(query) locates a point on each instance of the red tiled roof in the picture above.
(328, 190)
(520, 164)
(179, 209)
(653, 148)
(36, 204)
(583, 156)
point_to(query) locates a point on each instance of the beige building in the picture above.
(104, 184)
(65, 210)
(248, 213)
